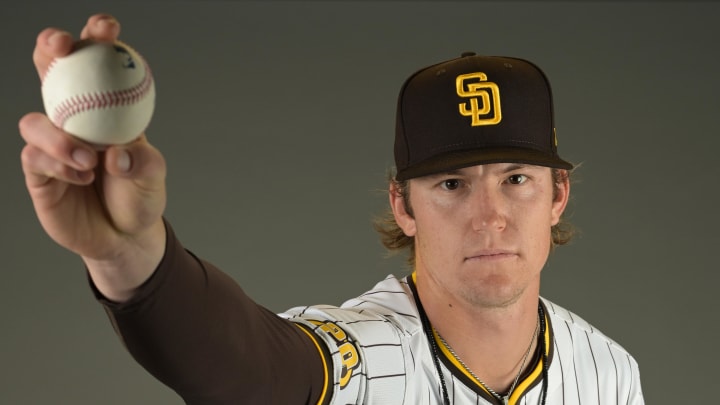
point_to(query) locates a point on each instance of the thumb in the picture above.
(138, 160)
(134, 187)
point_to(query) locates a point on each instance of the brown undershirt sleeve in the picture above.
(193, 328)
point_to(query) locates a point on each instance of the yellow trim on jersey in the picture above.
(446, 351)
(522, 386)
(525, 383)
(326, 377)
(449, 356)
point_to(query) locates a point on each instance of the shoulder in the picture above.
(568, 323)
(590, 364)
(576, 340)
(389, 302)
(368, 341)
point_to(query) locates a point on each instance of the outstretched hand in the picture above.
(105, 206)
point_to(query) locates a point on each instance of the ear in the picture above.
(403, 218)
(562, 195)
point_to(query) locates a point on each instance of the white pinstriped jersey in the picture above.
(380, 355)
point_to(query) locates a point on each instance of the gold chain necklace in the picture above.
(502, 398)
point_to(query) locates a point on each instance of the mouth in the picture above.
(491, 255)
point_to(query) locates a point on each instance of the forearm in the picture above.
(194, 329)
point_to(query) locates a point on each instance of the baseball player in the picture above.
(476, 199)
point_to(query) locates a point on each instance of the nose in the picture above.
(488, 210)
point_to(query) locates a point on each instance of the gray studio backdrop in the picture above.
(277, 123)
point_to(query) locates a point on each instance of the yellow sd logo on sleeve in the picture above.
(348, 352)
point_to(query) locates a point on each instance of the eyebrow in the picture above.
(510, 168)
(452, 172)
(515, 166)
(458, 172)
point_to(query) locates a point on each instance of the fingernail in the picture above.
(106, 22)
(123, 161)
(84, 176)
(82, 157)
(56, 37)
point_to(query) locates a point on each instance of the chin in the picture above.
(491, 295)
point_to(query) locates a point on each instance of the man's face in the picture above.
(482, 233)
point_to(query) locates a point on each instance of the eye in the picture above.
(450, 184)
(517, 179)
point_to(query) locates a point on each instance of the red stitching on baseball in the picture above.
(86, 102)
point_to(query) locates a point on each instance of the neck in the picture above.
(490, 341)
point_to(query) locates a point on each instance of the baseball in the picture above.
(103, 93)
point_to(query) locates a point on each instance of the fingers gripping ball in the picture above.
(102, 92)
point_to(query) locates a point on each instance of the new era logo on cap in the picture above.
(474, 110)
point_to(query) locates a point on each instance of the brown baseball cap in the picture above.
(475, 110)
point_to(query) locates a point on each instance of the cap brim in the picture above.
(459, 160)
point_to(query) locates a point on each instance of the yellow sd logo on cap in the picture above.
(479, 91)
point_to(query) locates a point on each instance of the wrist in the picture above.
(118, 277)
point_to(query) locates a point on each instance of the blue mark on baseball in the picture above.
(128, 61)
